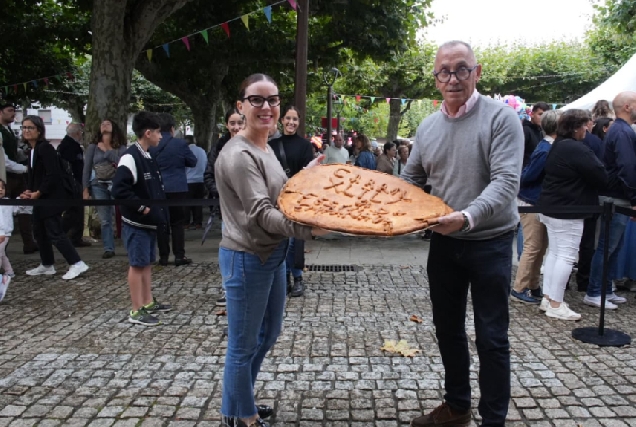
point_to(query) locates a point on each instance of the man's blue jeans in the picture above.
(614, 242)
(101, 191)
(290, 260)
(519, 242)
(484, 266)
(255, 293)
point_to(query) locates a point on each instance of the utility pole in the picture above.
(302, 47)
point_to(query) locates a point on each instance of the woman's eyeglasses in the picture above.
(28, 127)
(259, 101)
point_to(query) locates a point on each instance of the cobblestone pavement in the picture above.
(68, 356)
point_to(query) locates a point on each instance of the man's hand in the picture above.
(449, 224)
(146, 211)
(35, 195)
(85, 194)
(26, 194)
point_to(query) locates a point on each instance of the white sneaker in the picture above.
(75, 270)
(544, 305)
(596, 302)
(615, 299)
(41, 269)
(562, 313)
(4, 284)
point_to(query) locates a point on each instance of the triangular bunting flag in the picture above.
(166, 48)
(35, 83)
(46, 81)
(25, 88)
(246, 21)
(268, 13)
(293, 4)
(70, 76)
(388, 100)
(435, 103)
(204, 33)
(149, 54)
(554, 106)
(358, 98)
(403, 101)
(15, 88)
(226, 28)
(186, 42)
(372, 99)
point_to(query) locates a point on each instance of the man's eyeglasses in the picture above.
(28, 127)
(259, 101)
(462, 73)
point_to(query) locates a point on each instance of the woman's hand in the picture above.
(85, 194)
(318, 232)
(2, 239)
(315, 162)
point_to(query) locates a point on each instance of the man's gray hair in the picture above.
(549, 121)
(454, 43)
(73, 128)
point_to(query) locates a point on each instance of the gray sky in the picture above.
(483, 22)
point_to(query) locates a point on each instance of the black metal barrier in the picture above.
(600, 335)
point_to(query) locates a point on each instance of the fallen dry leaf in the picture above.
(308, 251)
(415, 318)
(221, 313)
(401, 347)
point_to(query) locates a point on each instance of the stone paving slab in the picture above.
(69, 358)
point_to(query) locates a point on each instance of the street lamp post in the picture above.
(338, 106)
(330, 79)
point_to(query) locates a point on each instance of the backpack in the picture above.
(72, 187)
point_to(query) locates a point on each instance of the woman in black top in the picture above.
(573, 177)
(294, 153)
(46, 182)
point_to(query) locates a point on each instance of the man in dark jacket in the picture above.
(70, 149)
(619, 157)
(173, 156)
(16, 183)
(532, 132)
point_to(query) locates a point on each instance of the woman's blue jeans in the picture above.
(255, 293)
(106, 214)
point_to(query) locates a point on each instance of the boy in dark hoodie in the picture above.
(138, 178)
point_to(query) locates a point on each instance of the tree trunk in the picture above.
(120, 31)
(204, 116)
(395, 117)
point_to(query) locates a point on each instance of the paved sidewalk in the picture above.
(68, 356)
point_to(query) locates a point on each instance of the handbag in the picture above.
(105, 171)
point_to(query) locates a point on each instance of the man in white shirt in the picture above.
(336, 153)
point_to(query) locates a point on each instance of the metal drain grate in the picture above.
(333, 268)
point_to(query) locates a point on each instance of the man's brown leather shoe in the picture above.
(443, 416)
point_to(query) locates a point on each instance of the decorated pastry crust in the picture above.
(358, 201)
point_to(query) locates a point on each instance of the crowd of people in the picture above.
(575, 158)
(474, 153)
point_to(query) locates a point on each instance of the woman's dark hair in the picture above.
(402, 148)
(4, 184)
(39, 124)
(284, 111)
(119, 137)
(388, 146)
(601, 109)
(599, 124)
(229, 113)
(249, 81)
(144, 121)
(570, 121)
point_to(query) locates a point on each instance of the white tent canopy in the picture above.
(623, 80)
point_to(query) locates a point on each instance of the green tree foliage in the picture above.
(613, 38)
(41, 39)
